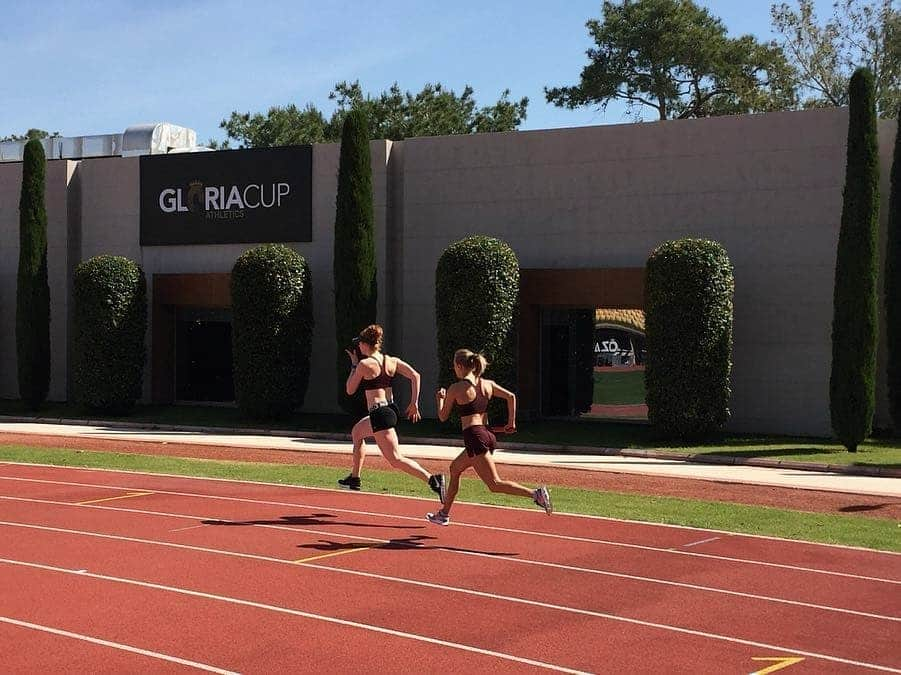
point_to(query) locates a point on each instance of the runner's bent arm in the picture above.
(445, 400)
(411, 374)
(510, 397)
(356, 374)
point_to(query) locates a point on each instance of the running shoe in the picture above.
(351, 482)
(543, 498)
(438, 484)
(438, 518)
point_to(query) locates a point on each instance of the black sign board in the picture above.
(228, 197)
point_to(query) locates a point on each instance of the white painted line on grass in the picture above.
(116, 645)
(560, 566)
(305, 615)
(495, 528)
(316, 488)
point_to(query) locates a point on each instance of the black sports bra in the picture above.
(381, 381)
(478, 405)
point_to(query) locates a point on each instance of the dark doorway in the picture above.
(203, 355)
(555, 370)
(566, 361)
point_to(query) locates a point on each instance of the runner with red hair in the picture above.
(375, 373)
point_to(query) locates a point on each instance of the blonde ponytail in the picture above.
(471, 361)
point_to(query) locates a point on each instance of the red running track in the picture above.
(139, 572)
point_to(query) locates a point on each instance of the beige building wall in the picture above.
(768, 187)
(10, 185)
(55, 198)
(110, 218)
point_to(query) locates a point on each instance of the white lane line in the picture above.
(494, 528)
(570, 568)
(698, 543)
(189, 527)
(300, 613)
(116, 645)
(534, 603)
(642, 523)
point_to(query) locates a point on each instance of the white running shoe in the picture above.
(438, 518)
(543, 498)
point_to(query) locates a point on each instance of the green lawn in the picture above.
(837, 529)
(585, 432)
(619, 387)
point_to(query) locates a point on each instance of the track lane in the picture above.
(379, 588)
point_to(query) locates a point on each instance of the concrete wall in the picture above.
(55, 198)
(768, 187)
(110, 218)
(10, 185)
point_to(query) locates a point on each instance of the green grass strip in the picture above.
(872, 533)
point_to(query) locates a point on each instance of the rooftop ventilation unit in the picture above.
(142, 139)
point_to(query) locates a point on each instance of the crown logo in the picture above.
(195, 196)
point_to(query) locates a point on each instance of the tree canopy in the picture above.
(393, 114)
(29, 135)
(860, 33)
(676, 58)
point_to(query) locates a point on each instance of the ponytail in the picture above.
(471, 361)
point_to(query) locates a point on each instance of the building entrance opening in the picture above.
(592, 363)
(203, 355)
(618, 370)
(566, 337)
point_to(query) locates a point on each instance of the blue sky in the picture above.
(98, 67)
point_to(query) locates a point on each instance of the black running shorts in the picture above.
(384, 417)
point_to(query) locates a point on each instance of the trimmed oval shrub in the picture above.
(476, 307)
(688, 320)
(110, 322)
(272, 330)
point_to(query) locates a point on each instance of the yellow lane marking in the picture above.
(781, 662)
(333, 553)
(109, 499)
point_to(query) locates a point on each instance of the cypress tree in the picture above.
(893, 286)
(32, 290)
(852, 395)
(354, 256)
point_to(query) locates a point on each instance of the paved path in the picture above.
(782, 477)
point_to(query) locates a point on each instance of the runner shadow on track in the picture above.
(415, 541)
(312, 519)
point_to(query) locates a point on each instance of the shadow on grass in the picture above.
(856, 508)
(760, 452)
